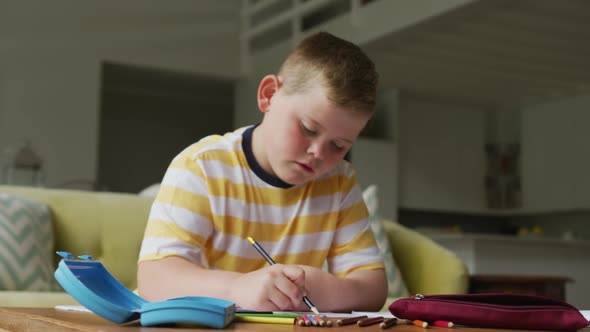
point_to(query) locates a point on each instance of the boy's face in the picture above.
(305, 135)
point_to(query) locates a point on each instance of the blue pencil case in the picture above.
(91, 284)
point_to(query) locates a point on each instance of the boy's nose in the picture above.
(316, 150)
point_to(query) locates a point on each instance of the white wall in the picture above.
(50, 66)
(265, 62)
(55, 106)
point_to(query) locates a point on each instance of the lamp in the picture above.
(26, 167)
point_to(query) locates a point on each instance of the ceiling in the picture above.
(33, 26)
(496, 53)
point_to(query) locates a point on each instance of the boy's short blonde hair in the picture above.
(345, 71)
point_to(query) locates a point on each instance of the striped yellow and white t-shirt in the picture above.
(214, 195)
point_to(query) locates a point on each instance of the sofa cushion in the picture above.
(397, 287)
(26, 245)
(108, 226)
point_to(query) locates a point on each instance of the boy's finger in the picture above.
(295, 274)
(280, 296)
(287, 286)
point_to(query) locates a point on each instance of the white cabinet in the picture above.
(556, 155)
(547, 159)
(581, 160)
(442, 161)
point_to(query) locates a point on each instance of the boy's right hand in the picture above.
(276, 288)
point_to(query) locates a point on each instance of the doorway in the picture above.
(147, 116)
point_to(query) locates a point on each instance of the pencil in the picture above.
(388, 323)
(272, 262)
(267, 320)
(306, 320)
(420, 323)
(267, 315)
(369, 321)
(246, 311)
(442, 323)
(300, 320)
(320, 320)
(351, 320)
(313, 321)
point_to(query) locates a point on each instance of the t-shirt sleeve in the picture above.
(354, 247)
(180, 220)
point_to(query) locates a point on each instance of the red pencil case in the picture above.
(494, 310)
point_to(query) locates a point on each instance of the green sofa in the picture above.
(110, 226)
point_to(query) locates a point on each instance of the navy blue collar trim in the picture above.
(255, 166)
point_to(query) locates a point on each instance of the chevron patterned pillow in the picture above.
(397, 287)
(26, 245)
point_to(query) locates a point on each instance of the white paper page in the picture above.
(385, 314)
(78, 308)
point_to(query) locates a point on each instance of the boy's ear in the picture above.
(269, 85)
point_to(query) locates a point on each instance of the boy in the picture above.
(284, 182)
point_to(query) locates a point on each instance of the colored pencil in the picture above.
(241, 314)
(369, 321)
(266, 320)
(351, 320)
(312, 319)
(388, 323)
(442, 323)
(306, 320)
(320, 320)
(300, 320)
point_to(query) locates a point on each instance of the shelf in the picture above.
(495, 212)
(543, 240)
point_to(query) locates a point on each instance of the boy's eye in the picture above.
(337, 148)
(307, 131)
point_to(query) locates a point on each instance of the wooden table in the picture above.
(49, 320)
